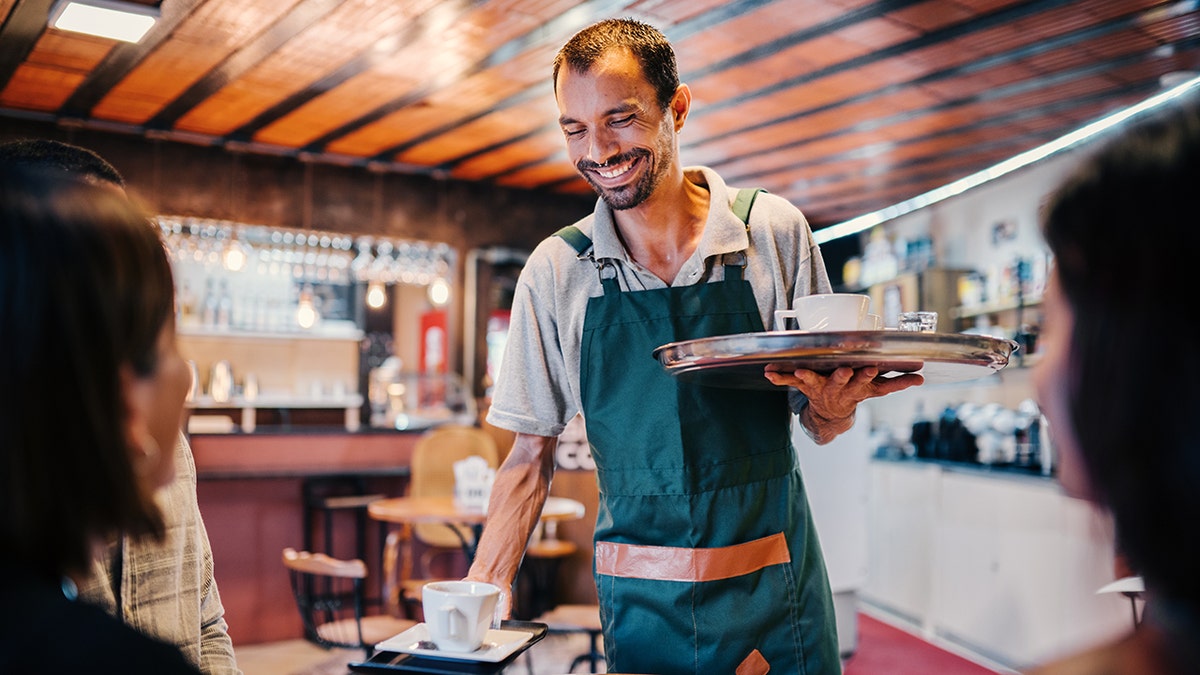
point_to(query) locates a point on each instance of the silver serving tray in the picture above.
(739, 361)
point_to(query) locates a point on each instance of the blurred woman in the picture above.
(1119, 375)
(94, 392)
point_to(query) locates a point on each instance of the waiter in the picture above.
(706, 559)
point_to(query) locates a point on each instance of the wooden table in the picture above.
(443, 510)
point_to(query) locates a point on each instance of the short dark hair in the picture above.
(85, 290)
(1124, 230)
(47, 155)
(647, 44)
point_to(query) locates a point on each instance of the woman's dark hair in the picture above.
(43, 154)
(85, 289)
(648, 45)
(1125, 231)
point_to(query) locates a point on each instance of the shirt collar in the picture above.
(723, 232)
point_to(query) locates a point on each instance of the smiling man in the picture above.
(706, 560)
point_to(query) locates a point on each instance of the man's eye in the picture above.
(572, 132)
(622, 121)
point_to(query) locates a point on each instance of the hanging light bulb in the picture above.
(439, 292)
(234, 256)
(376, 295)
(306, 311)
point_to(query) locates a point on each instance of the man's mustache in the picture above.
(589, 165)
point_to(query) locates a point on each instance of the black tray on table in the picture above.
(398, 662)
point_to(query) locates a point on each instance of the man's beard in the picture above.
(630, 195)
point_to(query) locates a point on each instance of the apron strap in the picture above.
(744, 202)
(735, 262)
(575, 238)
(582, 244)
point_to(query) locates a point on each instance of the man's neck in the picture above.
(663, 231)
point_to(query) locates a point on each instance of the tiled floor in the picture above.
(551, 656)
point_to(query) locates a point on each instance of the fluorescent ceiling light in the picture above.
(1077, 137)
(127, 21)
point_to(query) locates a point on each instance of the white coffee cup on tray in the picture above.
(458, 614)
(826, 312)
(872, 322)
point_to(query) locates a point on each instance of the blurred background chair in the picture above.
(1131, 587)
(330, 596)
(412, 551)
(577, 619)
(325, 496)
(536, 590)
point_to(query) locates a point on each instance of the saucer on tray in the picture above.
(497, 644)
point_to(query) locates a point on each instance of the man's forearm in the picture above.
(518, 494)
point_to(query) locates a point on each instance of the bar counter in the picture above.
(302, 452)
(250, 492)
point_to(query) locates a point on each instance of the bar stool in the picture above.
(327, 495)
(577, 619)
(539, 575)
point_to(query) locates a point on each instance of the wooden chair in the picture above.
(329, 594)
(431, 474)
(1131, 587)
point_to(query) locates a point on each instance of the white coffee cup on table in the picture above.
(458, 614)
(826, 312)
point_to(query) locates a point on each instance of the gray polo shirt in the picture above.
(537, 387)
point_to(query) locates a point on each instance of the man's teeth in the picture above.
(614, 172)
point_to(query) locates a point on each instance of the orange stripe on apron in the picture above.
(668, 563)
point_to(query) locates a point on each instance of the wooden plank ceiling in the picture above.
(842, 106)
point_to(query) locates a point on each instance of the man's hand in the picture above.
(833, 398)
(504, 605)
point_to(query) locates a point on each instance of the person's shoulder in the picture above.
(87, 639)
(564, 246)
(773, 205)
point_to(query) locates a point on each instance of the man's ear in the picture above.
(681, 104)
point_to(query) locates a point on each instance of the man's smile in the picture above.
(612, 171)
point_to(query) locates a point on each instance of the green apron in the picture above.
(683, 471)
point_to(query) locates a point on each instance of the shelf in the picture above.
(350, 403)
(333, 333)
(289, 402)
(993, 307)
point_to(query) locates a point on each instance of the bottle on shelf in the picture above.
(211, 301)
(224, 306)
(923, 437)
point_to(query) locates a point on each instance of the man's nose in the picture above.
(603, 147)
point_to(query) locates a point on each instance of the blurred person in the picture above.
(706, 557)
(95, 393)
(163, 588)
(1118, 374)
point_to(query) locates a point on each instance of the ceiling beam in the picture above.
(537, 36)
(299, 18)
(676, 33)
(429, 21)
(20, 32)
(122, 59)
